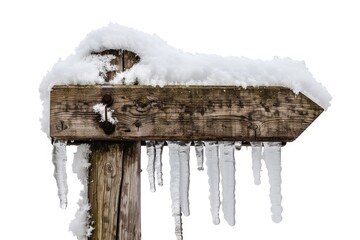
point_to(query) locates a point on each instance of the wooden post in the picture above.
(114, 181)
(114, 190)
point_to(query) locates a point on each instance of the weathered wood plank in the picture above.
(114, 190)
(129, 59)
(183, 113)
(130, 207)
(104, 191)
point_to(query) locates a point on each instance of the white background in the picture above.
(321, 180)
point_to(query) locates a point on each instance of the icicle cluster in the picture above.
(220, 163)
(179, 155)
(154, 152)
(271, 153)
(80, 226)
(59, 159)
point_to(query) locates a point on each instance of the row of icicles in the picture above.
(220, 163)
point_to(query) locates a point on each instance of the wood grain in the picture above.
(182, 113)
(130, 204)
(114, 190)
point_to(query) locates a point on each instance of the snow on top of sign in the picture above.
(162, 64)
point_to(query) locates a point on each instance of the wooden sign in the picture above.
(182, 113)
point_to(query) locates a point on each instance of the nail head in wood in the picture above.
(107, 100)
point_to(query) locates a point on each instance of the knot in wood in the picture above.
(109, 169)
(137, 124)
(143, 102)
(60, 126)
(253, 126)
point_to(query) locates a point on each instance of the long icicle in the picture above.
(212, 163)
(150, 150)
(158, 161)
(199, 149)
(272, 157)
(59, 160)
(256, 148)
(227, 170)
(184, 156)
(175, 187)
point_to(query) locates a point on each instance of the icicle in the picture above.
(158, 161)
(178, 227)
(175, 186)
(272, 157)
(184, 156)
(80, 226)
(227, 170)
(256, 148)
(150, 150)
(212, 163)
(59, 160)
(199, 149)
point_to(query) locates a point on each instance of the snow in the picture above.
(80, 226)
(272, 158)
(59, 160)
(162, 64)
(102, 110)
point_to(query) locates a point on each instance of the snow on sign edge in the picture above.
(162, 64)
